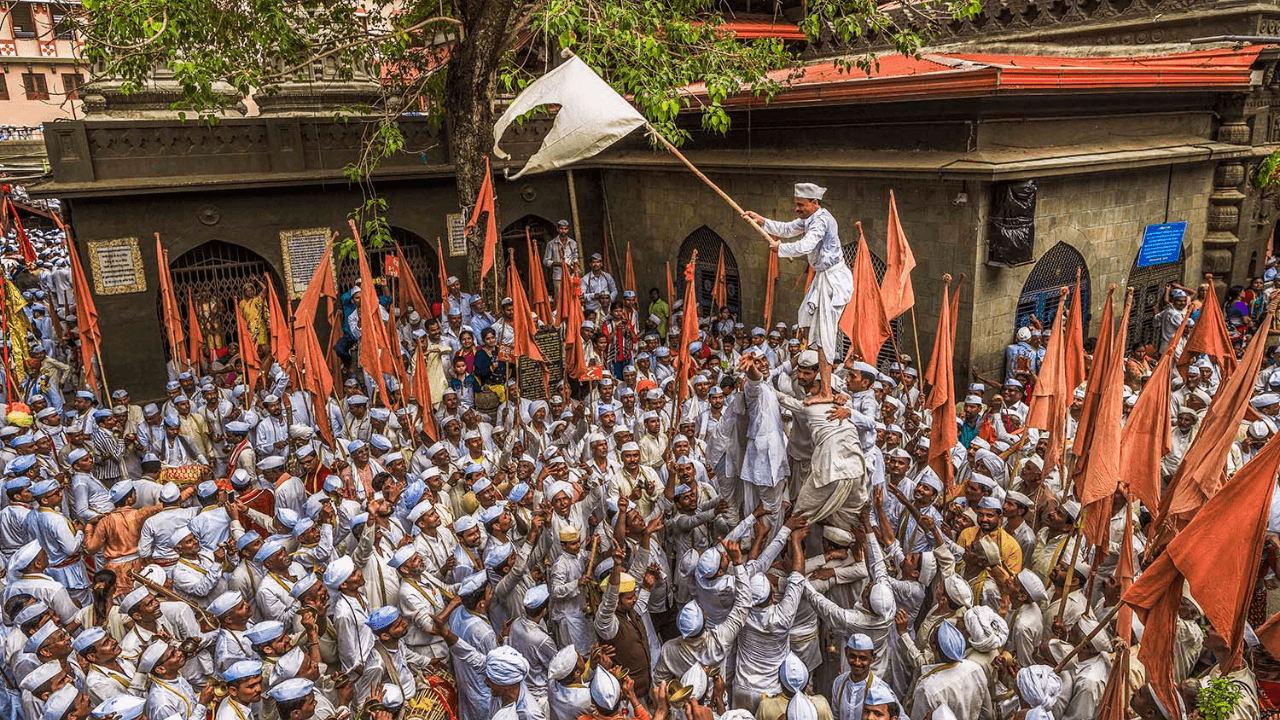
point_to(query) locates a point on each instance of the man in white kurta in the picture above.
(832, 285)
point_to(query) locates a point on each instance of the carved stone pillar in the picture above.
(111, 99)
(322, 88)
(1223, 231)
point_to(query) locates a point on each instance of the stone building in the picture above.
(1113, 145)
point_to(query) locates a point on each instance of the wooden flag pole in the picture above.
(724, 196)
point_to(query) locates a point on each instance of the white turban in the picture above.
(504, 665)
(987, 630)
(1039, 685)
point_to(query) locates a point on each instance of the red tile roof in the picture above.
(949, 75)
(746, 27)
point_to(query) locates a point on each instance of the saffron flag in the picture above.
(939, 376)
(316, 377)
(195, 336)
(575, 363)
(1098, 475)
(1052, 397)
(770, 285)
(1209, 336)
(90, 333)
(1202, 471)
(538, 297)
(629, 278)
(484, 205)
(591, 117)
(863, 320)
(1092, 387)
(281, 337)
(169, 306)
(375, 354)
(422, 394)
(720, 290)
(410, 288)
(1073, 361)
(24, 243)
(896, 291)
(688, 333)
(1217, 556)
(522, 325)
(1147, 436)
(248, 355)
(444, 284)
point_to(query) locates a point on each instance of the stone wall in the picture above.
(1103, 217)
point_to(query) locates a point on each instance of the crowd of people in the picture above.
(769, 541)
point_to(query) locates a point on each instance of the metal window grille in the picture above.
(1052, 271)
(1148, 285)
(215, 274)
(885, 356)
(420, 258)
(708, 244)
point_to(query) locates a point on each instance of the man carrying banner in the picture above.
(832, 285)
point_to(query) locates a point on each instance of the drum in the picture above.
(436, 700)
(182, 475)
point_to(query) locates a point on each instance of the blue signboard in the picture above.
(1161, 244)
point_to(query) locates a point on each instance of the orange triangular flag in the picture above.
(629, 277)
(896, 289)
(1217, 556)
(770, 285)
(1148, 436)
(317, 379)
(375, 353)
(422, 394)
(1098, 474)
(484, 203)
(939, 376)
(1073, 360)
(281, 338)
(195, 337)
(523, 325)
(688, 334)
(1051, 399)
(87, 311)
(1103, 351)
(1209, 336)
(538, 297)
(863, 320)
(575, 363)
(720, 290)
(1202, 470)
(248, 355)
(444, 284)
(169, 306)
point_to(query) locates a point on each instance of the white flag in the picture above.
(592, 116)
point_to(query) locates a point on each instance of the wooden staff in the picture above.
(1075, 554)
(1079, 646)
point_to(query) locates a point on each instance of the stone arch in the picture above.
(1039, 296)
(709, 244)
(214, 275)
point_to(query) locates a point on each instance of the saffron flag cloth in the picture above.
(688, 334)
(1073, 362)
(195, 336)
(87, 311)
(863, 320)
(316, 376)
(895, 290)
(1098, 474)
(538, 297)
(444, 284)
(629, 278)
(1209, 336)
(1202, 470)
(485, 206)
(410, 288)
(1080, 443)
(522, 324)
(770, 285)
(375, 354)
(248, 355)
(1147, 435)
(592, 116)
(422, 395)
(720, 290)
(24, 243)
(281, 337)
(169, 306)
(1217, 556)
(575, 363)
(1051, 399)
(939, 376)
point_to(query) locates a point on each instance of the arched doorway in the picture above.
(421, 258)
(215, 274)
(1148, 284)
(708, 244)
(1053, 270)
(886, 356)
(540, 229)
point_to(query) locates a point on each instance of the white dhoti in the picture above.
(822, 307)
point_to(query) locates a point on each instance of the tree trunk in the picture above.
(469, 91)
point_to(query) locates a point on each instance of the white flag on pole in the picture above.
(591, 118)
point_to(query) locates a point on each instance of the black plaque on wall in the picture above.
(1012, 224)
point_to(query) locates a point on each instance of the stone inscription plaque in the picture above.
(117, 266)
(302, 251)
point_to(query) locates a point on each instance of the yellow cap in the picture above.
(568, 533)
(626, 583)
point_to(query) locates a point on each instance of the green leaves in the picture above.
(1218, 699)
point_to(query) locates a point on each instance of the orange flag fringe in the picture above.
(896, 290)
(720, 291)
(1202, 472)
(629, 276)
(1209, 336)
(523, 325)
(484, 204)
(863, 320)
(1217, 556)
